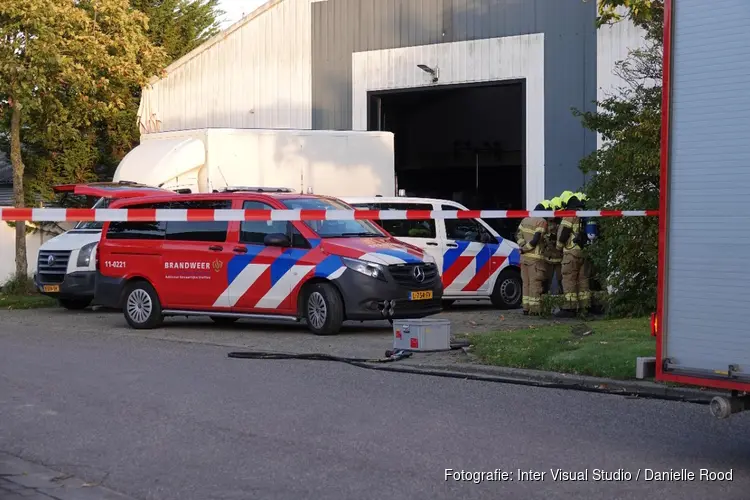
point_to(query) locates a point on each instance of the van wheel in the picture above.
(223, 320)
(142, 308)
(323, 309)
(508, 290)
(74, 304)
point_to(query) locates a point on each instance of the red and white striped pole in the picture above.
(158, 215)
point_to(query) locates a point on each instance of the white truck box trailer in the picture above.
(333, 163)
(703, 314)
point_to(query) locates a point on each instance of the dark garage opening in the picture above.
(462, 143)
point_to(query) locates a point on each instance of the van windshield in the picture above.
(100, 203)
(333, 228)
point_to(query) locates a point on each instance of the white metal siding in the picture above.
(487, 60)
(256, 74)
(709, 214)
(613, 44)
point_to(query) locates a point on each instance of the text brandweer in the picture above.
(187, 265)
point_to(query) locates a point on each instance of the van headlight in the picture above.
(86, 254)
(366, 268)
(428, 259)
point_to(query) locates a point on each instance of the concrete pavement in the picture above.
(171, 420)
(23, 480)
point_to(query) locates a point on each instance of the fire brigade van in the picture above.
(475, 262)
(65, 264)
(323, 272)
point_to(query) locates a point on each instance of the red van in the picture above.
(324, 272)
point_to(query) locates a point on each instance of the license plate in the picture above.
(425, 295)
(51, 288)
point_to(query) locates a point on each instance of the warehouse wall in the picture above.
(343, 27)
(513, 58)
(289, 64)
(256, 74)
(613, 44)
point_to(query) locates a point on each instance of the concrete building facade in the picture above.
(312, 64)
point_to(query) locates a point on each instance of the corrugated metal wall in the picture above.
(613, 44)
(291, 65)
(709, 154)
(254, 75)
(342, 27)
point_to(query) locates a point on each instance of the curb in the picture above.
(557, 380)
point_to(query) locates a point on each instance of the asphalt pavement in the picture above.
(156, 419)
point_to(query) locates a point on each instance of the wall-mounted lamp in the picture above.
(434, 73)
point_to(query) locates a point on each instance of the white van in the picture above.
(66, 264)
(475, 262)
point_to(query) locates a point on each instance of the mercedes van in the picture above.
(475, 262)
(323, 272)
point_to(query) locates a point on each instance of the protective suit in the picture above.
(530, 238)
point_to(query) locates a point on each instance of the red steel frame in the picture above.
(669, 6)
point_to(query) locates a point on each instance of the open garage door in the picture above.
(464, 143)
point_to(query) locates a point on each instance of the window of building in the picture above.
(139, 230)
(214, 231)
(412, 228)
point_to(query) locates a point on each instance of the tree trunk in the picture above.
(22, 270)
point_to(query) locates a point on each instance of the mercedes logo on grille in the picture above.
(419, 274)
(50, 260)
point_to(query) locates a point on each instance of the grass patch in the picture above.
(609, 352)
(30, 301)
(21, 293)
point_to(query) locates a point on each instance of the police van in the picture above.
(323, 272)
(475, 262)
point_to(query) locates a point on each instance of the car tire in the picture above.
(323, 309)
(74, 304)
(223, 320)
(508, 290)
(141, 306)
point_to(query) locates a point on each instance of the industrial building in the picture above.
(478, 93)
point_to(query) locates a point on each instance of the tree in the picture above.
(179, 26)
(641, 12)
(64, 65)
(626, 169)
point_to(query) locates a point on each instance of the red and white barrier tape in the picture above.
(158, 215)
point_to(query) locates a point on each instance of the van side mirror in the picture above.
(277, 240)
(487, 238)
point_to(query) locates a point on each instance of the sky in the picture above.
(235, 8)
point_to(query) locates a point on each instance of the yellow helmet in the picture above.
(565, 196)
(555, 203)
(581, 196)
(545, 204)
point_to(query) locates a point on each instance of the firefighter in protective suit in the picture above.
(552, 255)
(530, 238)
(564, 197)
(571, 237)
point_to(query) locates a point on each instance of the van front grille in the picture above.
(52, 265)
(404, 275)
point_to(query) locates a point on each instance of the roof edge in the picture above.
(216, 39)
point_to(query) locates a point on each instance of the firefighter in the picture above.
(570, 239)
(552, 255)
(530, 238)
(564, 197)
